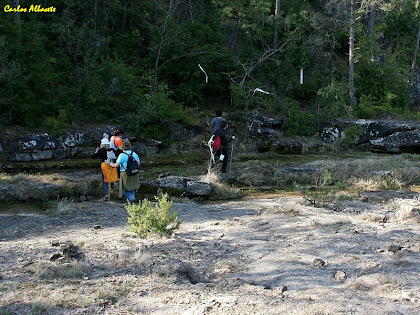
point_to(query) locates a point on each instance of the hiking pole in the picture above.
(231, 155)
(210, 144)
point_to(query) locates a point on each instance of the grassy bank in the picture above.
(353, 172)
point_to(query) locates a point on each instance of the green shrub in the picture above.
(389, 182)
(147, 218)
(350, 136)
(300, 121)
(333, 101)
(322, 193)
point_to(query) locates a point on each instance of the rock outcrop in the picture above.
(403, 141)
(177, 185)
(380, 136)
(76, 143)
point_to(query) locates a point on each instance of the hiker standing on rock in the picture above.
(129, 176)
(225, 139)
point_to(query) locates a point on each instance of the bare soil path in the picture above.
(254, 256)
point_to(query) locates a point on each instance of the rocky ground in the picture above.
(269, 254)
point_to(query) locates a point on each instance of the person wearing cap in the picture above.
(128, 184)
(101, 152)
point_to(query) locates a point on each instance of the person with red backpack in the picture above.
(220, 150)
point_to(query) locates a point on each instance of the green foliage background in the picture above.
(137, 62)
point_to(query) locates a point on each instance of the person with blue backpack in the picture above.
(129, 163)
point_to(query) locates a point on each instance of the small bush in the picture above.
(322, 192)
(350, 136)
(147, 218)
(389, 182)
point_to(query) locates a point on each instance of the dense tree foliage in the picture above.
(119, 61)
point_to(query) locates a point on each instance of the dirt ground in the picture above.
(271, 255)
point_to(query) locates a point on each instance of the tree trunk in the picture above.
(190, 9)
(125, 15)
(276, 24)
(156, 4)
(15, 4)
(95, 9)
(413, 65)
(372, 18)
(161, 44)
(352, 94)
(416, 50)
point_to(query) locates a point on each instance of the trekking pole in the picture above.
(231, 155)
(210, 144)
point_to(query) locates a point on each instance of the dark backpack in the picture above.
(132, 167)
(217, 143)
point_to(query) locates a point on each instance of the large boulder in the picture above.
(405, 141)
(177, 185)
(173, 184)
(268, 134)
(198, 188)
(261, 125)
(377, 135)
(386, 195)
(32, 147)
(372, 129)
(330, 134)
(288, 146)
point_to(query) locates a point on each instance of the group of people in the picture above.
(114, 153)
(220, 125)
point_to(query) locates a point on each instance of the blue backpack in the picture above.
(132, 167)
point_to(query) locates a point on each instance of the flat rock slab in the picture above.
(386, 195)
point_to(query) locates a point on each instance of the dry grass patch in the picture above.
(361, 171)
(359, 184)
(132, 257)
(37, 187)
(65, 206)
(4, 176)
(221, 190)
(71, 270)
(43, 297)
(288, 207)
(339, 224)
(371, 217)
(253, 174)
(380, 284)
(228, 266)
(387, 284)
(358, 284)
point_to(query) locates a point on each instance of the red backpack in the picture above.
(217, 143)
